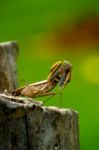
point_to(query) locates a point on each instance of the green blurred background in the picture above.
(49, 31)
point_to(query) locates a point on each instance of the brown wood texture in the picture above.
(8, 75)
(27, 125)
(24, 123)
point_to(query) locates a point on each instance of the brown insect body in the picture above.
(34, 90)
(60, 73)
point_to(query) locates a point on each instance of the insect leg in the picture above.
(51, 95)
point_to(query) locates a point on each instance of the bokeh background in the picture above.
(48, 31)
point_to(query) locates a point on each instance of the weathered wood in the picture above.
(8, 75)
(26, 125)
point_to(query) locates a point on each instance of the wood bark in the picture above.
(24, 123)
(8, 75)
(27, 125)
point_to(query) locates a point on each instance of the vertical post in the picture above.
(8, 75)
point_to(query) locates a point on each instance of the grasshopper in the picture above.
(60, 73)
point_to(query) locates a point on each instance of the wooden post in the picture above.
(8, 75)
(27, 125)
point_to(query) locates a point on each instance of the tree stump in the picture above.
(27, 125)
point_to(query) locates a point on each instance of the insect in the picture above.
(60, 73)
